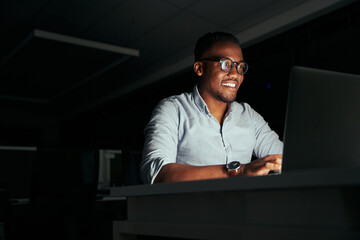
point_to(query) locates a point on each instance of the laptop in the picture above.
(322, 127)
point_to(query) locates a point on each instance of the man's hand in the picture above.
(262, 166)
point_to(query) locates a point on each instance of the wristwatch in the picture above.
(233, 168)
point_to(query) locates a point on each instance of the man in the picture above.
(206, 134)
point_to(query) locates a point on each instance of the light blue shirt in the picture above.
(182, 130)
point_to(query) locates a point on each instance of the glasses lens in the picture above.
(226, 65)
(242, 68)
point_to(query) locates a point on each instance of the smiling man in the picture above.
(207, 134)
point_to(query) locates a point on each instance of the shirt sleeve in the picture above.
(267, 141)
(161, 139)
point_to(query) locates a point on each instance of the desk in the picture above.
(308, 204)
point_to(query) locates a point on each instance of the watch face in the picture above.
(233, 165)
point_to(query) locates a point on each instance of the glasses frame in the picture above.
(221, 60)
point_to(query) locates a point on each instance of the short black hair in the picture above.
(206, 42)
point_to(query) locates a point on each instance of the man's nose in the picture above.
(233, 72)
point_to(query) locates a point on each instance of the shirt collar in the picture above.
(200, 103)
(232, 107)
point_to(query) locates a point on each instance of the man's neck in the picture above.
(217, 109)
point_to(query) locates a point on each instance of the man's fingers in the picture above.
(278, 161)
(274, 159)
(263, 166)
(273, 166)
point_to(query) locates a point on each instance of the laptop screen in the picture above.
(322, 128)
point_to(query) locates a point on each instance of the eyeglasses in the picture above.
(227, 65)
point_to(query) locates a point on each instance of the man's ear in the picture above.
(198, 68)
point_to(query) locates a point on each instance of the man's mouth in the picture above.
(229, 84)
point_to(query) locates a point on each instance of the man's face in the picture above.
(216, 85)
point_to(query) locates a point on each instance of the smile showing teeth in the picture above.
(229, 84)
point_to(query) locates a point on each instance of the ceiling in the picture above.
(73, 56)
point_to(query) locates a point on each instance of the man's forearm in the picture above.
(175, 172)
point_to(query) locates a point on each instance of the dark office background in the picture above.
(66, 128)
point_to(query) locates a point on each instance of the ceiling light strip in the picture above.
(18, 148)
(23, 99)
(86, 43)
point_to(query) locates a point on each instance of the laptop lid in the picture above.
(322, 127)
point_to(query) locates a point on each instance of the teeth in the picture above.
(229, 84)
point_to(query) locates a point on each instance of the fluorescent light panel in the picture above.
(85, 43)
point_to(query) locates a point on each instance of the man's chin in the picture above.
(227, 99)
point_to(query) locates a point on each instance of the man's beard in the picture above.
(226, 99)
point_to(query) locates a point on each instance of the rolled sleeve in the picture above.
(267, 141)
(161, 139)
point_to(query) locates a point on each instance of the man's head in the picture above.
(206, 42)
(220, 66)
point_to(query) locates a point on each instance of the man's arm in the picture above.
(161, 138)
(175, 172)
